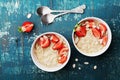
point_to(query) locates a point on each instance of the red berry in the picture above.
(62, 59)
(80, 31)
(54, 38)
(96, 33)
(104, 40)
(58, 45)
(63, 51)
(102, 28)
(26, 27)
(44, 41)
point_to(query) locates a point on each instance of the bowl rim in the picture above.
(102, 50)
(40, 66)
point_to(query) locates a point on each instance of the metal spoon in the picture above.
(46, 10)
(49, 18)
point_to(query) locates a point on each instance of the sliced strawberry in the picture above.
(96, 33)
(104, 40)
(63, 51)
(54, 38)
(90, 20)
(80, 31)
(26, 23)
(26, 27)
(91, 24)
(102, 28)
(41, 41)
(62, 59)
(44, 41)
(58, 45)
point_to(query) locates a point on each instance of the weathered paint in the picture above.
(15, 59)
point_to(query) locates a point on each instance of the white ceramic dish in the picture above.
(39, 65)
(105, 47)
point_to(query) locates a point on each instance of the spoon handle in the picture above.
(78, 9)
(60, 10)
(61, 14)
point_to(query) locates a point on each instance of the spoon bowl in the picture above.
(43, 10)
(47, 18)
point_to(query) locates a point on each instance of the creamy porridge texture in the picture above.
(47, 57)
(51, 50)
(90, 36)
(89, 44)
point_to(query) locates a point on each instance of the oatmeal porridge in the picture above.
(90, 36)
(51, 50)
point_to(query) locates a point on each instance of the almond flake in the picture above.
(74, 65)
(95, 67)
(86, 63)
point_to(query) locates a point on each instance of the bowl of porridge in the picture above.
(50, 51)
(91, 36)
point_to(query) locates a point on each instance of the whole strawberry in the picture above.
(27, 26)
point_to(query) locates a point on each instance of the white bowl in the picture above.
(105, 47)
(37, 63)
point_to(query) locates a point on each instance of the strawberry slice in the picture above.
(102, 28)
(44, 41)
(90, 20)
(58, 45)
(104, 40)
(41, 41)
(96, 33)
(26, 27)
(54, 38)
(91, 24)
(62, 59)
(80, 31)
(63, 51)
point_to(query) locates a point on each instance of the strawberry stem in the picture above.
(19, 29)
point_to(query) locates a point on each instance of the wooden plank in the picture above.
(15, 59)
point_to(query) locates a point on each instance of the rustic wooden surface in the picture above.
(15, 59)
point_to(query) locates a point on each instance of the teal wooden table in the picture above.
(15, 59)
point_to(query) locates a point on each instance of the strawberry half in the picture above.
(41, 41)
(80, 31)
(58, 45)
(104, 40)
(63, 51)
(26, 27)
(91, 24)
(54, 38)
(90, 20)
(96, 33)
(62, 59)
(44, 41)
(102, 28)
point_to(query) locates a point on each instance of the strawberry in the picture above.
(91, 24)
(58, 45)
(26, 27)
(102, 28)
(80, 31)
(44, 41)
(54, 38)
(90, 20)
(62, 59)
(96, 33)
(104, 40)
(63, 51)
(41, 41)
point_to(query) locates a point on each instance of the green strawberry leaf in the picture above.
(19, 29)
